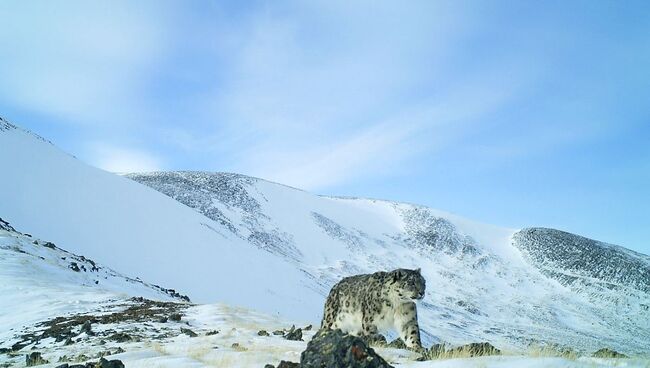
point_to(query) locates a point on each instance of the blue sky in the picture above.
(514, 113)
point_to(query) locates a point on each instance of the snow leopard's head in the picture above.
(408, 284)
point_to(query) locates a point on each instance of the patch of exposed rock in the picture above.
(335, 349)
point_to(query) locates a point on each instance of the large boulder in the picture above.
(335, 349)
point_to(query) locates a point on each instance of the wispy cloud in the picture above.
(313, 94)
(81, 62)
(314, 97)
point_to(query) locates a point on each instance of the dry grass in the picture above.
(549, 351)
(439, 352)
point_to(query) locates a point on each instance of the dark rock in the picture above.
(33, 359)
(334, 349)
(176, 317)
(4, 350)
(162, 320)
(74, 267)
(120, 337)
(19, 345)
(262, 333)
(269, 366)
(87, 328)
(285, 364)
(64, 365)
(188, 332)
(49, 245)
(307, 328)
(278, 332)
(119, 350)
(68, 341)
(103, 363)
(210, 333)
(608, 353)
(4, 225)
(294, 334)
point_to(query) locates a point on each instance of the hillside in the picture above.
(248, 242)
(136, 230)
(484, 282)
(39, 280)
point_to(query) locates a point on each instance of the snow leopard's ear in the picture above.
(398, 274)
(418, 270)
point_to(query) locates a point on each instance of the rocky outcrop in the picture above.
(335, 349)
(4, 225)
(294, 334)
(572, 259)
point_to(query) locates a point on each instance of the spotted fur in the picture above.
(363, 305)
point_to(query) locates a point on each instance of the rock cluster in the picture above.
(294, 334)
(334, 349)
(102, 363)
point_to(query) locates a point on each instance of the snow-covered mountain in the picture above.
(249, 242)
(484, 283)
(136, 230)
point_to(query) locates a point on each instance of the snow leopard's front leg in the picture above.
(370, 311)
(406, 323)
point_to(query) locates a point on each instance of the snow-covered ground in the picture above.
(39, 280)
(229, 337)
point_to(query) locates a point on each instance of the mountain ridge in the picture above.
(421, 229)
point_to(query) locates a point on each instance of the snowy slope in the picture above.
(39, 280)
(136, 230)
(482, 282)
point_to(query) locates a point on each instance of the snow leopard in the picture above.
(363, 305)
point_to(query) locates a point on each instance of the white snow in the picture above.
(137, 230)
(240, 326)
